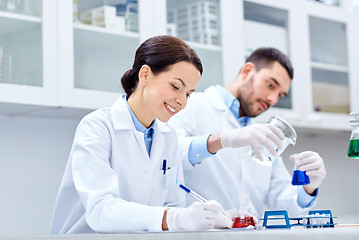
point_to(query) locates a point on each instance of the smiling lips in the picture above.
(171, 109)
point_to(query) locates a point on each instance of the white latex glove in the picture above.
(252, 136)
(198, 216)
(224, 221)
(314, 165)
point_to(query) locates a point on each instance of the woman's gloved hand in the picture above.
(225, 221)
(198, 216)
(252, 136)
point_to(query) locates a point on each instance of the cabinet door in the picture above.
(28, 54)
(99, 43)
(266, 25)
(329, 65)
(202, 25)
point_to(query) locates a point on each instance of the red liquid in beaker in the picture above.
(243, 222)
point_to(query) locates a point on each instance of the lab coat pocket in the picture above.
(171, 177)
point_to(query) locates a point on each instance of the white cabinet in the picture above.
(28, 55)
(321, 44)
(209, 27)
(58, 61)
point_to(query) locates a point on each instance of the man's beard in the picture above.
(245, 97)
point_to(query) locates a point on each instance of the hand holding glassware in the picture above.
(290, 137)
(313, 165)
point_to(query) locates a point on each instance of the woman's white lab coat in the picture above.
(110, 183)
(230, 171)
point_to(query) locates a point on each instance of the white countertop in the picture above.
(277, 234)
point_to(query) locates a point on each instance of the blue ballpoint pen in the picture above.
(197, 196)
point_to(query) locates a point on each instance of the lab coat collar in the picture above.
(119, 110)
(216, 101)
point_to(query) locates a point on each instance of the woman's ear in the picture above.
(247, 68)
(144, 74)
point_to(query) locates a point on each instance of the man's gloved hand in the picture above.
(314, 165)
(252, 136)
(198, 216)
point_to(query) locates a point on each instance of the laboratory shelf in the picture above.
(205, 47)
(101, 38)
(33, 94)
(330, 67)
(11, 23)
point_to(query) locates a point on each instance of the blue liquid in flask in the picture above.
(300, 178)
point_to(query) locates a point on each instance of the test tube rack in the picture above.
(306, 221)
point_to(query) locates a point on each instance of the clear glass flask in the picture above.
(353, 150)
(244, 214)
(290, 137)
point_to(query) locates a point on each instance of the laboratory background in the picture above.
(61, 59)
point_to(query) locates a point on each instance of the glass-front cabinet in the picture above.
(329, 65)
(333, 59)
(71, 54)
(100, 38)
(320, 41)
(198, 23)
(266, 26)
(205, 27)
(28, 55)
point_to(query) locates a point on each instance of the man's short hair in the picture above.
(266, 56)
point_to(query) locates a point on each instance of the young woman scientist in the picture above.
(124, 168)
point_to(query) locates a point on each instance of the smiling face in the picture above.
(262, 89)
(166, 93)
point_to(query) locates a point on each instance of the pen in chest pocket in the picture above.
(164, 166)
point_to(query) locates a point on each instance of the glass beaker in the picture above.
(290, 137)
(353, 149)
(244, 214)
(299, 177)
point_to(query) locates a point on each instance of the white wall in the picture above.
(34, 151)
(33, 154)
(339, 192)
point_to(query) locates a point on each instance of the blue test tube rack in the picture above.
(306, 221)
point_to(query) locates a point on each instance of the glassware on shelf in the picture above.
(197, 22)
(27, 7)
(3, 5)
(114, 15)
(2, 78)
(353, 150)
(290, 137)
(11, 6)
(17, 6)
(75, 11)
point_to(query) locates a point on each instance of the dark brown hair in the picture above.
(265, 57)
(159, 53)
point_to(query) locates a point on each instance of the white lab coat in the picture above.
(110, 183)
(231, 170)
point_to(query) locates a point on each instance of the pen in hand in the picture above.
(197, 196)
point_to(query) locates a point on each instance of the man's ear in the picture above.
(144, 74)
(247, 68)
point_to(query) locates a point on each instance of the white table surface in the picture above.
(268, 234)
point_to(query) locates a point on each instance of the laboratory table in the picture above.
(277, 234)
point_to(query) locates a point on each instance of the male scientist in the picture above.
(217, 126)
